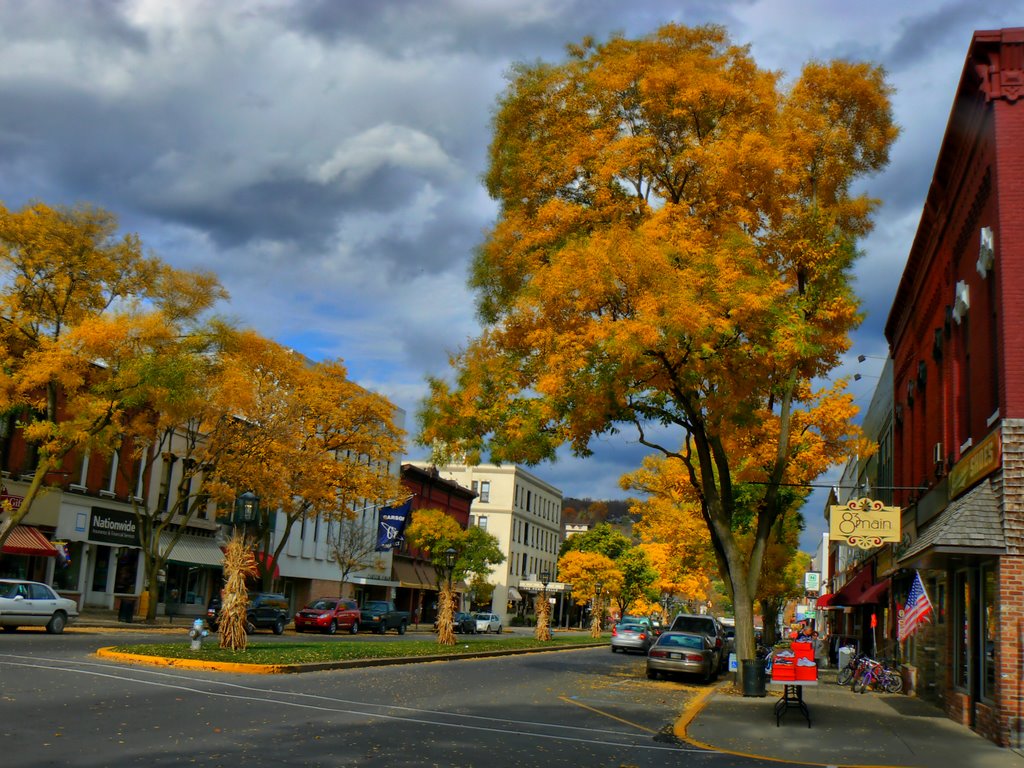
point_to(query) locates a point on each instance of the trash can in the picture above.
(126, 611)
(846, 653)
(753, 677)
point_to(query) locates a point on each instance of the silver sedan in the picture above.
(627, 636)
(31, 604)
(689, 653)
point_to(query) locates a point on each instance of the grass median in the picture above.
(345, 650)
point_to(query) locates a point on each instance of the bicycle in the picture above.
(847, 673)
(879, 674)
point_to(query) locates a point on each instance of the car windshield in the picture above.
(484, 616)
(682, 641)
(324, 605)
(684, 624)
(631, 628)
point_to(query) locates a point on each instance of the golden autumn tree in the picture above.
(88, 326)
(308, 442)
(672, 252)
(473, 552)
(594, 577)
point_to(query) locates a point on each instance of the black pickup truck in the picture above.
(380, 615)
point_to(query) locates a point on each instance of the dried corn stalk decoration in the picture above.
(239, 563)
(595, 624)
(543, 610)
(445, 625)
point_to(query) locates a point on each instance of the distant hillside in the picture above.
(594, 511)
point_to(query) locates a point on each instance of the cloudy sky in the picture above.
(324, 157)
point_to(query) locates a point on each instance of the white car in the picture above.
(31, 604)
(487, 622)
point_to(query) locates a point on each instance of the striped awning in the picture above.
(190, 549)
(26, 540)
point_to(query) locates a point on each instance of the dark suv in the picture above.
(266, 610)
(710, 628)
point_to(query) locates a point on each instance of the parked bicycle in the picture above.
(854, 665)
(877, 674)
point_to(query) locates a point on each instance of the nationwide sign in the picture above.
(864, 523)
(108, 526)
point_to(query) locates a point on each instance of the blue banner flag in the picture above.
(391, 525)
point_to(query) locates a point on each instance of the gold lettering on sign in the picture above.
(984, 459)
(864, 523)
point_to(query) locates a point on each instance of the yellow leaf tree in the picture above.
(672, 253)
(595, 579)
(89, 327)
(307, 442)
(472, 551)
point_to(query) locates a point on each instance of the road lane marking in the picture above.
(607, 714)
(611, 741)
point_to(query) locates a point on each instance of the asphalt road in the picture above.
(60, 705)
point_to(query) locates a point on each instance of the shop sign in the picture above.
(864, 523)
(9, 500)
(108, 526)
(984, 459)
(812, 581)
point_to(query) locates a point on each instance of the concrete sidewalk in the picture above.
(847, 729)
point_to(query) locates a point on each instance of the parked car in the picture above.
(31, 604)
(381, 615)
(710, 628)
(328, 615)
(266, 610)
(653, 628)
(682, 653)
(487, 622)
(629, 636)
(462, 622)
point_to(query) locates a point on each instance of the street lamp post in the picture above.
(449, 561)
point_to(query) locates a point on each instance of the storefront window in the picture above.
(66, 574)
(962, 633)
(990, 615)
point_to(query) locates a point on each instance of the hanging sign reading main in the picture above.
(864, 523)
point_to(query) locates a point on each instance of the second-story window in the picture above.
(485, 491)
(482, 522)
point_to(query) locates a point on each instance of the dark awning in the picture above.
(26, 540)
(852, 591)
(874, 594)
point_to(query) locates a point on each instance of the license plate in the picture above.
(675, 655)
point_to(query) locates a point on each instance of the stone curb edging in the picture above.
(276, 669)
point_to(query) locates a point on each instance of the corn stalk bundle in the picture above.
(239, 563)
(543, 610)
(445, 627)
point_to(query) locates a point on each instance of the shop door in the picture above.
(100, 572)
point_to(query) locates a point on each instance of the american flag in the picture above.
(916, 610)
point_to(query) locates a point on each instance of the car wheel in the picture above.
(354, 629)
(614, 649)
(498, 630)
(279, 627)
(381, 629)
(652, 675)
(332, 627)
(249, 627)
(57, 623)
(299, 630)
(401, 628)
(10, 628)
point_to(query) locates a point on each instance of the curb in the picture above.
(278, 669)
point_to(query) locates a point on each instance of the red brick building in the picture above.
(414, 573)
(958, 413)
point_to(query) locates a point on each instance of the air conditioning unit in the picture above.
(937, 454)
